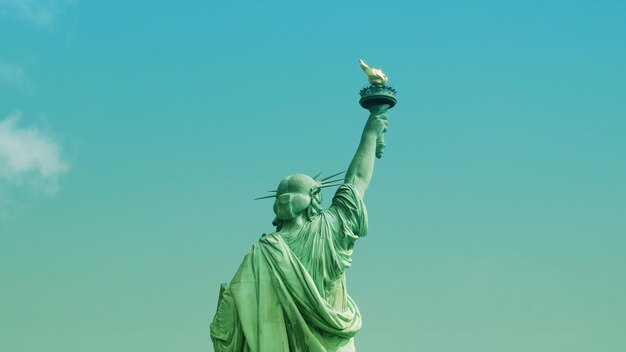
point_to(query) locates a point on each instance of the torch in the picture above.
(377, 97)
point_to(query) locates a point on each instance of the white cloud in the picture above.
(29, 158)
(14, 75)
(42, 13)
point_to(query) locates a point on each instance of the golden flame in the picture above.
(374, 75)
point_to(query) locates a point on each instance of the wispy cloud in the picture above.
(42, 13)
(29, 158)
(14, 75)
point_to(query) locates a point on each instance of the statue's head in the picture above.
(299, 193)
(295, 194)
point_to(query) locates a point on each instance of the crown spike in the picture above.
(331, 176)
(331, 185)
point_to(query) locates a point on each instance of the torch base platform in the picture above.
(373, 95)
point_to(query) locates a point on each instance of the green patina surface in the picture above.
(289, 294)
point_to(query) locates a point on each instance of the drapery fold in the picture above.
(289, 292)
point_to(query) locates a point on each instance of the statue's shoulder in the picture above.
(267, 238)
(265, 234)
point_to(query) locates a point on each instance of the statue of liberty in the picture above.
(289, 293)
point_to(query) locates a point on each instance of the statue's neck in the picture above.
(293, 225)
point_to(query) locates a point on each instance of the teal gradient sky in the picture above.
(497, 215)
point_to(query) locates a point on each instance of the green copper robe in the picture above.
(289, 294)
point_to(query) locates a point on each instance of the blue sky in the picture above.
(134, 136)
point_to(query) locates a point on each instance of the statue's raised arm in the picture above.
(361, 168)
(377, 98)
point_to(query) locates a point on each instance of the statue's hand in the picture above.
(377, 122)
(379, 109)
